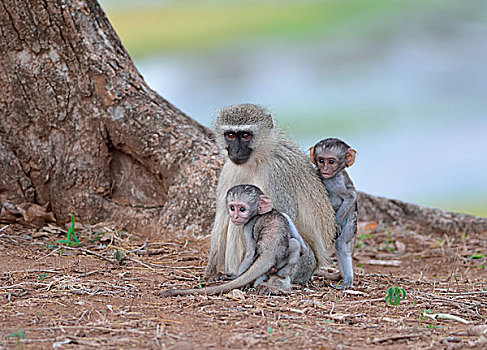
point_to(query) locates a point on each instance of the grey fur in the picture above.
(278, 167)
(267, 236)
(343, 198)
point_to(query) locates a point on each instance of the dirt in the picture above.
(81, 297)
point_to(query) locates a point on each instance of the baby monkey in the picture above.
(262, 224)
(332, 156)
(270, 246)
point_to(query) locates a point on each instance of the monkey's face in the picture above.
(238, 145)
(328, 164)
(239, 212)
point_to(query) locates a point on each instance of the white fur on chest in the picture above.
(249, 173)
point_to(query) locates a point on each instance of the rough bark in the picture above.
(81, 132)
(415, 217)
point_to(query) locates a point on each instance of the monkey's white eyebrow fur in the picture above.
(238, 127)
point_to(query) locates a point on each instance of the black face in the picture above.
(238, 146)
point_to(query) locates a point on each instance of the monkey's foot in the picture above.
(329, 273)
(266, 289)
(275, 286)
(343, 286)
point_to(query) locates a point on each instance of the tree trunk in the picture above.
(81, 132)
(415, 217)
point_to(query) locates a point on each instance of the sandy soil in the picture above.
(82, 297)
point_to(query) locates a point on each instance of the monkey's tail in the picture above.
(260, 266)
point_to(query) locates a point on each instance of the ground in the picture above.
(80, 296)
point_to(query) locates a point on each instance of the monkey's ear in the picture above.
(265, 204)
(350, 156)
(312, 154)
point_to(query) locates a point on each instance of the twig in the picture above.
(141, 263)
(454, 268)
(364, 301)
(19, 285)
(451, 301)
(31, 270)
(85, 274)
(383, 262)
(43, 340)
(140, 248)
(88, 327)
(465, 293)
(52, 252)
(113, 261)
(3, 228)
(395, 337)
(81, 317)
(445, 317)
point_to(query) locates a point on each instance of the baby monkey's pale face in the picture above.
(239, 212)
(328, 164)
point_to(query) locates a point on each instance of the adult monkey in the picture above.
(258, 154)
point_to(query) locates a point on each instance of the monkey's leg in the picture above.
(275, 285)
(260, 280)
(294, 254)
(345, 245)
(294, 232)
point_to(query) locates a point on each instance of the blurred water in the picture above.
(413, 103)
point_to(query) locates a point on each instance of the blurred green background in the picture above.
(403, 82)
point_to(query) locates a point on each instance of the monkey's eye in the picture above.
(230, 135)
(246, 136)
(321, 160)
(242, 209)
(232, 208)
(331, 161)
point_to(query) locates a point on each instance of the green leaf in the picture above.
(394, 295)
(19, 334)
(476, 256)
(118, 255)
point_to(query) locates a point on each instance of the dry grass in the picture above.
(82, 297)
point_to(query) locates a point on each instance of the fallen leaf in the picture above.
(371, 227)
(400, 247)
(40, 234)
(35, 214)
(383, 262)
(238, 294)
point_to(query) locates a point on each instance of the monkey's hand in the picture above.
(220, 276)
(329, 273)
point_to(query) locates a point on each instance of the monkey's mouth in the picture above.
(239, 160)
(326, 175)
(238, 222)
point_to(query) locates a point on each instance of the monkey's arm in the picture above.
(345, 189)
(294, 232)
(345, 207)
(250, 247)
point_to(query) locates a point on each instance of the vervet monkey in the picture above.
(299, 262)
(269, 246)
(260, 155)
(332, 156)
